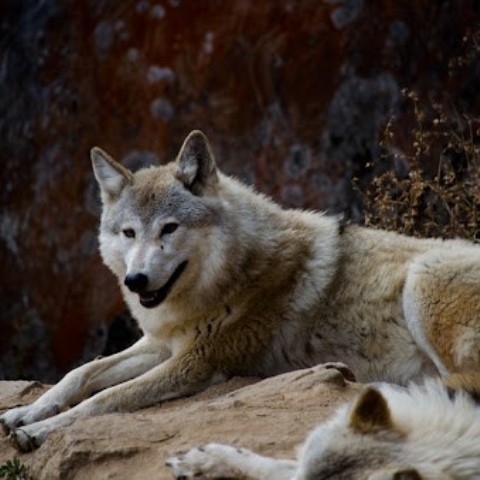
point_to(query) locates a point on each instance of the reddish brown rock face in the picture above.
(292, 95)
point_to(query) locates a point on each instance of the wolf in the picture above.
(423, 432)
(225, 282)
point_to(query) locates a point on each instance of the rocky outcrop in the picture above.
(271, 416)
(293, 95)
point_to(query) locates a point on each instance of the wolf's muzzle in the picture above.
(138, 283)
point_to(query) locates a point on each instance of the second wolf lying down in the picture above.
(225, 282)
(425, 432)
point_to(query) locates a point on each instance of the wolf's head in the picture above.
(156, 223)
(359, 443)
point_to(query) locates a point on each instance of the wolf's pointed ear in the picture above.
(196, 167)
(111, 176)
(370, 413)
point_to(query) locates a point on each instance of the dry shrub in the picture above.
(440, 194)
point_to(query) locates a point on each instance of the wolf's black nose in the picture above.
(136, 282)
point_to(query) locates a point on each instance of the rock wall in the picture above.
(292, 93)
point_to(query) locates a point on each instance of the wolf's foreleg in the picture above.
(176, 377)
(88, 379)
(222, 461)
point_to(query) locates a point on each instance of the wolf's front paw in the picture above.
(209, 461)
(28, 438)
(14, 418)
(20, 416)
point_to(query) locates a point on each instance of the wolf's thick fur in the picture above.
(225, 282)
(388, 433)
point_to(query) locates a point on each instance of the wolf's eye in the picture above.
(169, 228)
(129, 232)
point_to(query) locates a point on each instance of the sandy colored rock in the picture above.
(271, 416)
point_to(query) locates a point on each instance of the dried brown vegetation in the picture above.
(440, 194)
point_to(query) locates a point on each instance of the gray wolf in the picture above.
(225, 282)
(388, 433)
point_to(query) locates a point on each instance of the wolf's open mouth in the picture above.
(156, 297)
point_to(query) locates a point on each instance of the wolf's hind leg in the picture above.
(442, 308)
(87, 379)
(222, 461)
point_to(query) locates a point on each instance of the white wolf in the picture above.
(388, 433)
(224, 282)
